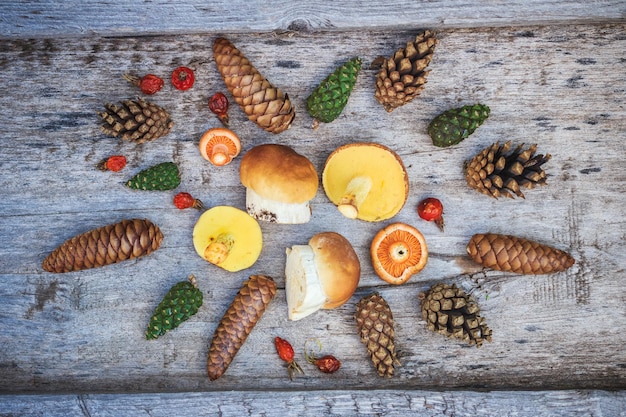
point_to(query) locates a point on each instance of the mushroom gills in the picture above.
(265, 209)
(304, 291)
(356, 192)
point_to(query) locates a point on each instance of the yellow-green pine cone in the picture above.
(160, 177)
(330, 97)
(180, 303)
(515, 254)
(455, 125)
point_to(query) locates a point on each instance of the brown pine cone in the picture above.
(403, 76)
(263, 103)
(448, 310)
(514, 254)
(135, 120)
(497, 172)
(376, 329)
(105, 245)
(246, 309)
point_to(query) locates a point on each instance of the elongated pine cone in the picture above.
(263, 103)
(403, 76)
(135, 120)
(105, 245)
(376, 329)
(448, 310)
(519, 255)
(496, 172)
(242, 315)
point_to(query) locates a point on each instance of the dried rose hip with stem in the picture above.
(327, 363)
(431, 209)
(184, 200)
(286, 353)
(183, 78)
(149, 83)
(218, 104)
(113, 163)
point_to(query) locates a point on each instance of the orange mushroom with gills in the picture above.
(366, 181)
(228, 238)
(219, 146)
(398, 251)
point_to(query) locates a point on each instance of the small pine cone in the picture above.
(376, 329)
(180, 303)
(242, 315)
(263, 103)
(403, 76)
(135, 120)
(514, 254)
(495, 173)
(105, 245)
(159, 177)
(448, 310)
(454, 125)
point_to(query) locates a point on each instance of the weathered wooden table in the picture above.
(552, 73)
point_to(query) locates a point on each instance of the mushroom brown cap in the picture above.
(389, 180)
(338, 267)
(279, 173)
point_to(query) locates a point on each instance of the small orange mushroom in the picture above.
(398, 251)
(219, 146)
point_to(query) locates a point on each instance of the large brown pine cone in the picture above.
(135, 120)
(105, 245)
(263, 103)
(403, 76)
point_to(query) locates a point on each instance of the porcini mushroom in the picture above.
(321, 275)
(219, 145)
(366, 181)
(279, 184)
(398, 251)
(228, 237)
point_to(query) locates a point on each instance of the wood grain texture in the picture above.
(25, 19)
(562, 87)
(325, 403)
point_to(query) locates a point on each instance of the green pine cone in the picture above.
(161, 177)
(180, 303)
(454, 125)
(329, 98)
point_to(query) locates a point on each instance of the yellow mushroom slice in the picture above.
(366, 181)
(279, 184)
(228, 237)
(398, 251)
(219, 146)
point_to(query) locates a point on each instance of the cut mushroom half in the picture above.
(219, 146)
(228, 237)
(398, 251)
(366, 181)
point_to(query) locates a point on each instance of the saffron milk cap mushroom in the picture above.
(219, 146)
(398, 251)
(320, 275)
(228, 237)
(366, 181)
(279, 184)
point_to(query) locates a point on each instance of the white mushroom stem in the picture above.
(356, 192)
(220, 154)
(304, 291)
(262, 208)
(217, 251)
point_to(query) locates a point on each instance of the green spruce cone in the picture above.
(160, 177)
(329, 98)
(180, 303)
(454, 125)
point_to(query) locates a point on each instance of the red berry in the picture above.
(183, 78)
(218, 104)
(286, 353)
(327, 364)
(431, 209)
(149, 83)
(185, 200)
(113, 163)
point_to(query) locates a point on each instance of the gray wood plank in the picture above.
(561, 87)
(325, 403)
(95, 17)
